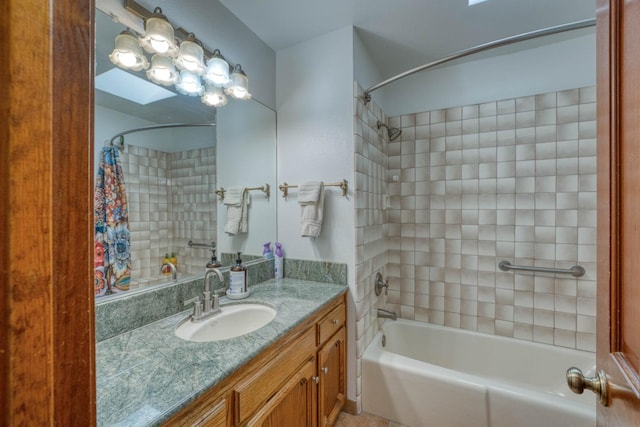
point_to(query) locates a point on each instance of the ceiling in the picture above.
(403, 34)
(398, 34)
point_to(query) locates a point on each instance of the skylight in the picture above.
(127, 86)
(472, 2)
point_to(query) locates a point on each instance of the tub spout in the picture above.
(172, 268)
(386, 314)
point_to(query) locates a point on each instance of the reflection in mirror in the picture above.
(170, 174)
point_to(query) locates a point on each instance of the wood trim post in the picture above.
(47, 343)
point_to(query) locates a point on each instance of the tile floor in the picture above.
(363, 420)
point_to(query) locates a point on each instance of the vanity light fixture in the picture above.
(190, 58)
(159, 36)
(189, 84)
(127, 53)
(239, 87)
(214, 96)
(191, 55)
(217, 72)
(162, 71)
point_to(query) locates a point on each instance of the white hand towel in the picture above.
(309, 192)
(237, 200)
(233, 195)
(244, 217)
(311, 200)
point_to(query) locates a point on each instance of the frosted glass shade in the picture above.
(214, 96)
(159, 37)
(239, 87)
(191, 57)
(162, 71)
(127, 53)
(217, 72)
(189, 84)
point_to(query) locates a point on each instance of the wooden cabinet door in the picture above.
(294, 405)
(331, 370)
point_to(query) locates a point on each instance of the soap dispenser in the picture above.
(214, 263)
(238, 276)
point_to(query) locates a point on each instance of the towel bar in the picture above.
(576, 270)
(344, 186)
(266, 189)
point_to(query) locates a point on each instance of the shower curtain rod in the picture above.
(153, 127)
(482, 47)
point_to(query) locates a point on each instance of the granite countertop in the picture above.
(145, 376)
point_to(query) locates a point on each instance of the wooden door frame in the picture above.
(47, 345)
(623, 380)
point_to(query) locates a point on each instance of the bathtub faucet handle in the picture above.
(380, 283)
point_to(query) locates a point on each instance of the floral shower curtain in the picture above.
(112, 258)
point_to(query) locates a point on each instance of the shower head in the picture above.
(392, 133)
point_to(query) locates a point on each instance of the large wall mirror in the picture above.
(171, 175)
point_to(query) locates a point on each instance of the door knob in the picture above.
(598, 384)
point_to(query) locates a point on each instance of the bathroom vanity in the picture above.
(291, 372)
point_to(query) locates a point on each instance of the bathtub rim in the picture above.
(376, 353)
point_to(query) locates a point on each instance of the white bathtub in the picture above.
(433, 376)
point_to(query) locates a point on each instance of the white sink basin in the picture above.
(233, 321)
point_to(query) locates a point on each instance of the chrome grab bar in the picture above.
(191, 244)
(575, 271)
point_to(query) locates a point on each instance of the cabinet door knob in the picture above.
(316, 379)
(335, 321)
(325, 370)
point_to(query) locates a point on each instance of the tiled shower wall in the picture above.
(171, 200)
(508, 180)
(371, 245)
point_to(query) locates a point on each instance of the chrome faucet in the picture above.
(208, 307)
(211, 305)
(386, 314)
(174, 270)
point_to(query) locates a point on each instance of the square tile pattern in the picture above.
(172, 200)
(371, 201)
(472, 185)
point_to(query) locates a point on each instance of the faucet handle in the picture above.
(191, 300)
(197, 307)
(380, 283)
(216, 299)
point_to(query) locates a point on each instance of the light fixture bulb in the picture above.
(127, 53)
(217, 72)
(239, 87)
(162, 70)
(214, 96)
(189, 84)
(191, 56)
(159, 37)
(159, 45)
(127, 59)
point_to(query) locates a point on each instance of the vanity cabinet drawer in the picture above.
(252, 392)
(206, 413)
(217, 417)
(331, 323)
